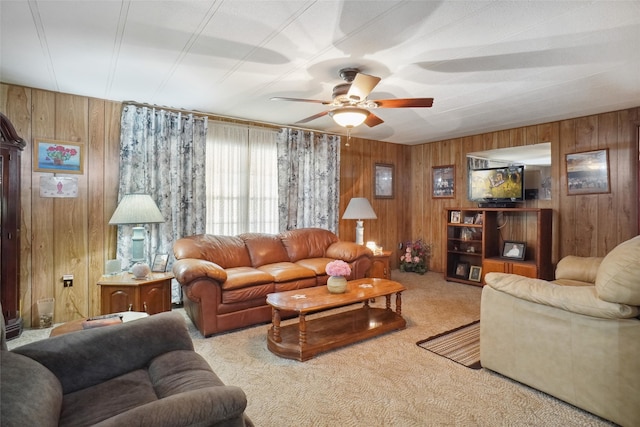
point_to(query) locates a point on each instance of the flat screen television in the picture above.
(497, 185)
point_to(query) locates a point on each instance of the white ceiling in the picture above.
(489, 65)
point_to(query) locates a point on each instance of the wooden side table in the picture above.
(380, 266)
(123, 292)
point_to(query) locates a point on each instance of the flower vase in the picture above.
(58, 162)
(337, 284)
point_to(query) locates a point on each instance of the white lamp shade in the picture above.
(137, 209)
(359, 208)
(349, 117)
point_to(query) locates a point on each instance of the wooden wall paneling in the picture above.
(96, 241)
(587, 205)
(550, 132)
(42, 219)
(70, 215)
(625, 209)
(608, 218)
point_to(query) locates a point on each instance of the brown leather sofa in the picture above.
(225, 279)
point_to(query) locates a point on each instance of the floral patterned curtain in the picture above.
(162, 153)
(308, 180)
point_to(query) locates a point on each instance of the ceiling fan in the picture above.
(350, 106)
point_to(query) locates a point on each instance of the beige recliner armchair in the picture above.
(576, 338)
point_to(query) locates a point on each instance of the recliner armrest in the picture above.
(85, 358)
(582, 269)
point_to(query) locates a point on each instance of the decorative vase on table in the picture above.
(338, 271)
(337, 284)
(140, 270)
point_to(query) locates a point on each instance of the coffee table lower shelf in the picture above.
(333, 331)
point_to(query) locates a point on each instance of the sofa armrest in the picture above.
(89, 357)
(221, 405)
(575, 268)
(348, 251)
(189, 269)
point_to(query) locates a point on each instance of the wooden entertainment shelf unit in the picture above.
(475, 238)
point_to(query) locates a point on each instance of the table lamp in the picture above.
(359, 208)
(137, 209)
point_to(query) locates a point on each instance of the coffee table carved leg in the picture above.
(399, 303)
(303, 329)
(388, 297)
(275, 318)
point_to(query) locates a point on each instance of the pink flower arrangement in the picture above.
(415, 257)
(338, 268)
(60, 152)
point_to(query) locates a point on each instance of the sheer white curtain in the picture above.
(242, 187)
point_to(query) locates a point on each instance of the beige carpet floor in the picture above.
(384, 381)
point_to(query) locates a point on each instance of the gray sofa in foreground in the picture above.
(576, 338)
(141, 373)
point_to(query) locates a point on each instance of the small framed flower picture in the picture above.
(58, 156)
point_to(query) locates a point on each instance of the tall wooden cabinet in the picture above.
(475, 240)
(11, 146)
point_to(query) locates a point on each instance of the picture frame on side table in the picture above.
(443, 182)
(475, 273)
(513, 250)
(461, 269)
(50, 155)
(383, 181)
(588, 172)
(159, 263)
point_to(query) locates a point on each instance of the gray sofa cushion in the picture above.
(20, 377)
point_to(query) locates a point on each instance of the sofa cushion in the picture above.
(307, 242)
(181, 371)
(226, 251)
(618, 278)
(242, 277)
(287, 271)
(264, 249)
(30, 395)
(318, 265)
(575, 299)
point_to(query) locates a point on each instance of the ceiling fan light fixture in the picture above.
(349, 117)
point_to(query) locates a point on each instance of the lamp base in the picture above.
(359, 232)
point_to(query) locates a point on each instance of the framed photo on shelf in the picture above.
(588, 172)
(159, 263)
(475, 273)
(513, 250)
(468, 220)
(461, 270)
(383, 180)
(478, 219)
(54, 156)
(443, 182)
(455, 217)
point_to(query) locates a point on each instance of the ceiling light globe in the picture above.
(349, 117)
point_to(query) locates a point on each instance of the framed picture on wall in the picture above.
(58, 156)
(588, 172)
(443, 181)
(383, 181)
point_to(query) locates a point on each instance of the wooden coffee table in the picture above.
(305, 339)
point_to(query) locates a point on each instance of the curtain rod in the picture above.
(213, 116)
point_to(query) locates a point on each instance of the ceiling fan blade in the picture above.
(317, 101)
(373, 120)
(404, 102)
(315, 116)
(362, 86)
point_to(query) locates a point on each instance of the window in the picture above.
(242, 179)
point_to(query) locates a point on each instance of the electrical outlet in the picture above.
(67, 280)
